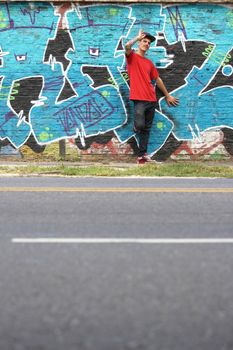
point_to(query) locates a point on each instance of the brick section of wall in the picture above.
(64, 78)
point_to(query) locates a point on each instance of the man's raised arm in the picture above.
(130, 43)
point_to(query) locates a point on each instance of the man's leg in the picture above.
(145, 132)
(139, 123)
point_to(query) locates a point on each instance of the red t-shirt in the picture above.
(141, 72)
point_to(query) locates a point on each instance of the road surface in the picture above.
(113, 263)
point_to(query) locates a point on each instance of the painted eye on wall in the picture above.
(20, 58)
(94, 51)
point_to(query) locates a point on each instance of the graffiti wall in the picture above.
(63, 77)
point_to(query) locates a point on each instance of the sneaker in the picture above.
(148, 158)
(145, 159)
(141, 160)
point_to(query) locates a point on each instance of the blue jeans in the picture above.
(143, 117)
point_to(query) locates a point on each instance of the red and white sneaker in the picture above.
(145, 159)
(148, 158)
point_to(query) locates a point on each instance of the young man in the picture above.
(142, 72)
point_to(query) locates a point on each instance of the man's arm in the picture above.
(170, 99)
(130, 43)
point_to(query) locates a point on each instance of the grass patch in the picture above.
(170, 169)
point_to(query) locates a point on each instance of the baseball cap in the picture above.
(149, 36)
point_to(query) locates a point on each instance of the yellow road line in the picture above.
(119, 190)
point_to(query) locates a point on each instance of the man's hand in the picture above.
(130, 43)
(141, 35)
(172, 100)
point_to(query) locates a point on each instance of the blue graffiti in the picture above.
(71, 117)
(24, 31)
(199, 111)
(98, 34)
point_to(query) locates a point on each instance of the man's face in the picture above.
(144, 44)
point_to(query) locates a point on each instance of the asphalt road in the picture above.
(116, 264)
